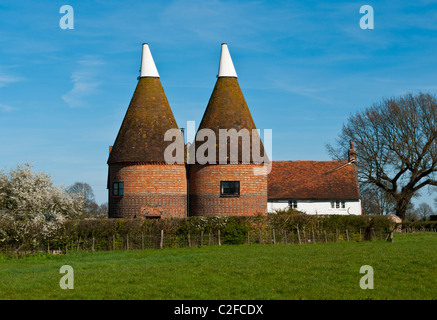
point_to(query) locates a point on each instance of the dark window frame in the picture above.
(292, 204)
(116, 190)
(226, 189)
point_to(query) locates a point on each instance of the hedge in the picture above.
(32, 236)
(419, 225)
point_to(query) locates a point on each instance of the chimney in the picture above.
(148, 67)
(352, 154)
(183, 133)
(226, 66)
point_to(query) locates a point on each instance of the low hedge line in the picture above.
(234, 230)
(419, 225)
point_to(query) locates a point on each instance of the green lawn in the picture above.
(404, 269)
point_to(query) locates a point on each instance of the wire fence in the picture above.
(161, 240)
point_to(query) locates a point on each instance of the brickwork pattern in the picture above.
(150, 190)
(204, 193)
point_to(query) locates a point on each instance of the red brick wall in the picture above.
(149, 190)
(204, 185)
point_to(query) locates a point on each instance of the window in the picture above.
(118, 189)
(292, 204)
(338, 204)
(230, 188)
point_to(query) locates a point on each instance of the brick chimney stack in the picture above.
(352, 154)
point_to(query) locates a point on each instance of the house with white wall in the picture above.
(315, 187)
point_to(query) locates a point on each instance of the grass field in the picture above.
(404, 269)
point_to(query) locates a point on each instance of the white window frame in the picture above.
(338, 204)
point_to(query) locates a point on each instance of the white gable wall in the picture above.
(317, 206)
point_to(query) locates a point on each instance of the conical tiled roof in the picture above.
(227, 107)
(148, 117)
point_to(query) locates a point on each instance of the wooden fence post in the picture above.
(113, 242)
(92, 247)
(161, 243)
(189, 240)
(142, 241)
(347, 235)
(389, 237)
(314, 238)
(298, 236)
(219, 241)
(326, 238)
(274, 236)
(127, 242)
(201, 238)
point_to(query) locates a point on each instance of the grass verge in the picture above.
(404, 269)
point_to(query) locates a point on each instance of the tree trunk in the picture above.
(402, 202)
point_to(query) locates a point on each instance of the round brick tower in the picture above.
(231, 185)
(140, 182)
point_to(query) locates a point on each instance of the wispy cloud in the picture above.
(85, 83)
(240, 23)
(311, 91)
(6, 108)
(7, 77)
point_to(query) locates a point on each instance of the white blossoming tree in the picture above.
(26, 195)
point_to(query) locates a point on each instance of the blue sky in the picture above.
(303, 66)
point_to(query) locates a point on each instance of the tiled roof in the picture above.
(227, 109)
(318, 180)
(141, 136)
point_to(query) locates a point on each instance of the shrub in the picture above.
(26, 195)
(235, 230)
(288, 211)
(419, 225)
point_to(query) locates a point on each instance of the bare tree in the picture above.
(84, 191)
(374, 200)
(411, 213)
(396, 143)
(424, 210)
(103, 210)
